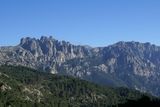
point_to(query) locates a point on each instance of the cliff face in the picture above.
(130, 64)
(44, 53)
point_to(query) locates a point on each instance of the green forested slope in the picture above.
(25, 87)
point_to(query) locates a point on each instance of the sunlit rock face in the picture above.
(127, 64)
(45, 53)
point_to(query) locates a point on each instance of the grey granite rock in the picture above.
(131, 64)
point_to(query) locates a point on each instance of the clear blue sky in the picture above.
(87, 22)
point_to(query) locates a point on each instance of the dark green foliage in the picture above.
(25, 87)
(144, 101)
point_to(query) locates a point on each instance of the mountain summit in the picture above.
(131, 64)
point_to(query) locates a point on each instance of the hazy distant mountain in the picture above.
(131, 64)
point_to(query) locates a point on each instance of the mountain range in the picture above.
(124, 64)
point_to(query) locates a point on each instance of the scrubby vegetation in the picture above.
(25, 87)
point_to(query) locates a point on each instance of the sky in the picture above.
(81, 22)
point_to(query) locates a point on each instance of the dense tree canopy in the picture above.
(25, 87)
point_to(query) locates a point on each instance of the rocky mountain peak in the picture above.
(132, 63)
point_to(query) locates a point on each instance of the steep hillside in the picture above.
(25, 87)
(130, 64)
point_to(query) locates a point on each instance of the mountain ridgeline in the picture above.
(128, 64)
